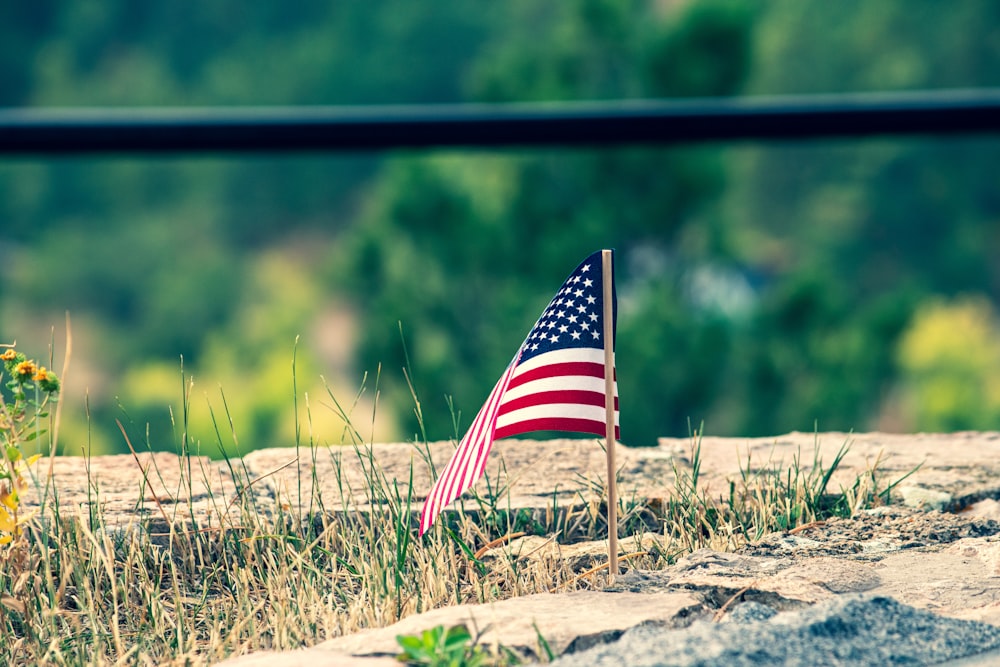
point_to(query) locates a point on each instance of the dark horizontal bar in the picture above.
(30, 131)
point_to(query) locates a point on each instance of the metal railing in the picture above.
(55, 132)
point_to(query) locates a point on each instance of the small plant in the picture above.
(544, 648)
(32, 387)
(777, 497)
(440, 647)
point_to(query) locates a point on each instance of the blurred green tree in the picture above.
(766, 305)
(950, 360)
(156, 259)
(461, 249)
(847, 239)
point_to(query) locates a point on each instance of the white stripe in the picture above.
(564, 410)
(459, 474)
(592, 354)
(462, 465)
(561, 383)
(484, 437)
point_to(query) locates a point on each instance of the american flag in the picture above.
(554, 383)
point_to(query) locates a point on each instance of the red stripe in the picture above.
(489, 434)
(564, 396)
(442, 492)
(472, 453)
(469, 450)
(584, 368)
(553, 424)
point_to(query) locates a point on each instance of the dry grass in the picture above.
(77, 591)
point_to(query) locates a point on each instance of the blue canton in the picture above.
(573, 317)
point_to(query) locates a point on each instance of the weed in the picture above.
(771, 498)
(451, 647)
(32, 388)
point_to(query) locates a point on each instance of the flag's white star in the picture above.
(591, 299)
(588, 282)
(563, 328)
(553, 338)
(585, 268)
(575, 335)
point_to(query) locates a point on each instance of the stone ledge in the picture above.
(954, 472)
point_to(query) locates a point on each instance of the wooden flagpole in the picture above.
(609, 406)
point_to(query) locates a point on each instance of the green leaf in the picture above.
(456, 637)
(413, 646)
(544, 644)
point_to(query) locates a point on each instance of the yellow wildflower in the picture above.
(41, 374)
(26, 368)
(7, 522)
(9, 498)
(8, 355)
(30, 461)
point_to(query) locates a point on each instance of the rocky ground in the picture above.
(915, 582)
(919, 587)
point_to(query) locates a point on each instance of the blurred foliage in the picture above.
(482, 240)
(950, 359)
(762, 288)
(848, 239)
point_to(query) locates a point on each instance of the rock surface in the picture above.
(926, 591)
(950, 472)
(855, 631)
(921, 565)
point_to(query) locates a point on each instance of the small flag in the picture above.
(554, 383)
